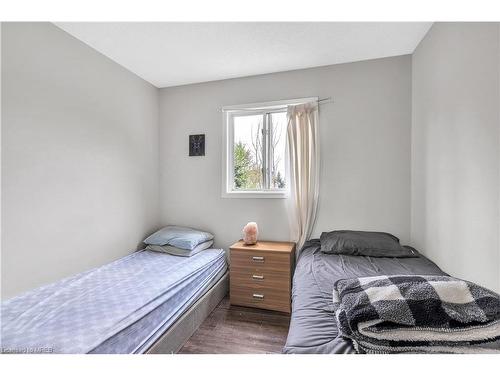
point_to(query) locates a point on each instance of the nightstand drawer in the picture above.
(260, 278)
(260, 260)
(260, 297)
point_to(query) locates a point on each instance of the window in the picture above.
(254, 158)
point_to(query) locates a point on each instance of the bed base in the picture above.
(176, 336)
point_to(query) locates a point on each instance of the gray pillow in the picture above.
(180, 237)
(180, 252)
(372, 244)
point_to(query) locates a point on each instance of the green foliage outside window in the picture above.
(247, 174)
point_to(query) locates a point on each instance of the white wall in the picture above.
(455, 150)
(79, 157)
(1, 26)
(365, 141)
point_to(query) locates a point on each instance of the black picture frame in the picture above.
(197, 145)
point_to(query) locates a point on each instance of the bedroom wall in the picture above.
(79, 157)
(455, 150)
(365, 150)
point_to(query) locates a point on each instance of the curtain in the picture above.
(304, 166)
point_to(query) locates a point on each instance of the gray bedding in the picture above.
(312, 326)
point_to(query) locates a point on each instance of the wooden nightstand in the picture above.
(261, 275)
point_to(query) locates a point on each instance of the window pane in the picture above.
(247, 157)
(278, 144)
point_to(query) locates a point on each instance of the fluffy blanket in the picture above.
(412, 313)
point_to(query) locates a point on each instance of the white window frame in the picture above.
(228, 146)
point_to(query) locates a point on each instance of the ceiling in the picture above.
(173, 53)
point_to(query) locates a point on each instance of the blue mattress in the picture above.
(121, 307)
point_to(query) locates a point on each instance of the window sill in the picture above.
(256, 194)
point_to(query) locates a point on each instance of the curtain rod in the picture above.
(319, 101)
(325, 100)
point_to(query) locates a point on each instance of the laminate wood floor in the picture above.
(239, 330)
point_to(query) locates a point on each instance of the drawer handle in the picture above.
(258, 296)
(258, 259)
(258, 277)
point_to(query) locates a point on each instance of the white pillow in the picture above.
(180, 237)
(180, 252)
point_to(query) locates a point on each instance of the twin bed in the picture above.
(145, 302)
(313, 327)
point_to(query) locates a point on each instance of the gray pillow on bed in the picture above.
(373, 244)
(172, 250)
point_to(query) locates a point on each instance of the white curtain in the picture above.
(304, 169)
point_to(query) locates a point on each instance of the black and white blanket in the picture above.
(411, 313)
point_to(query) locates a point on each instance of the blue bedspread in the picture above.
(91, 311)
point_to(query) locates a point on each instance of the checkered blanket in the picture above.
(411, 313)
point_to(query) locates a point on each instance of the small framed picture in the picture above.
(197, 145)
